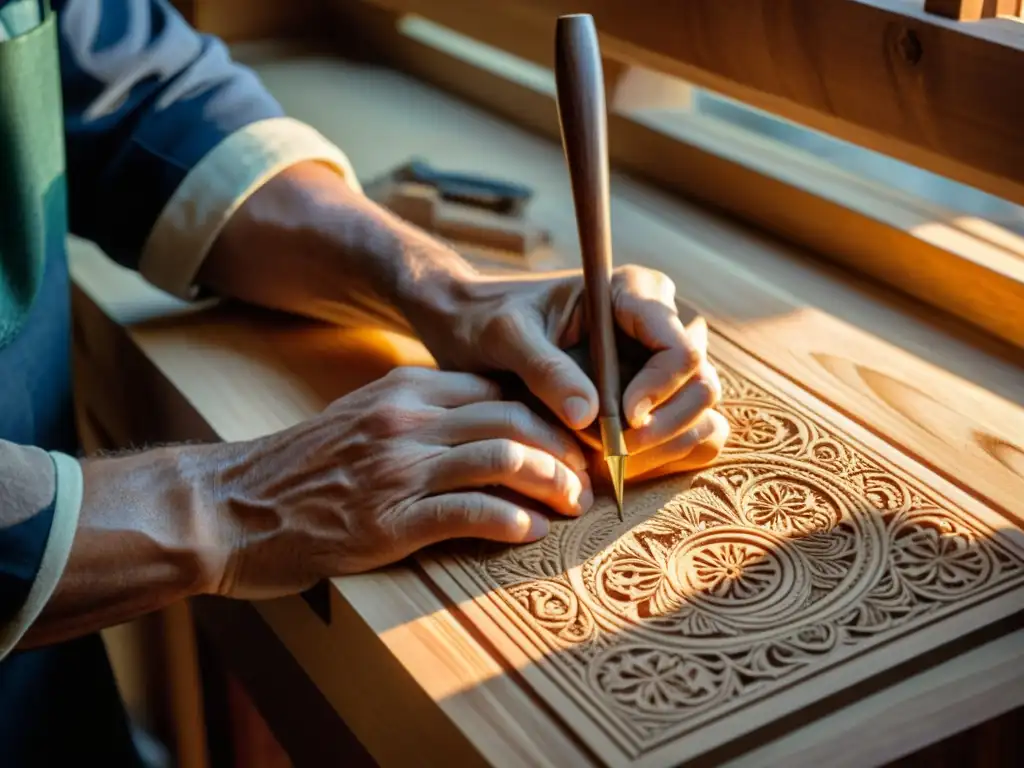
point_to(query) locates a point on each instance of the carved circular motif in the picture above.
(721, 586)
(743, 574)
(757, 426)
(749, 550)
(779, 504)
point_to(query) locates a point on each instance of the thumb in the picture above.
(551, 375)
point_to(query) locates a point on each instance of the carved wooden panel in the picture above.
(810, 558)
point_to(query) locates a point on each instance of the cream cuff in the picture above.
(217, 186)
(58, 548)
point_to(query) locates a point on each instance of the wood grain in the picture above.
(231, 374)
(880, 73)
(809, 559)
(956, 263)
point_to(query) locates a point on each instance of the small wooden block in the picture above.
(423, 206)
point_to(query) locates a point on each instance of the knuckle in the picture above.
(631, 273)
(547, 368)
(666, 286)
(709, 384)
(505, 325)
(390, 419)
(647, 281)
(506, 457)
(566, 483)
(488, 388)
(517, 418)
(690, 359)
(474, 510)
(407, 375)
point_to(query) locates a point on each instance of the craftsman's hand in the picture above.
(348, 256)
(412, 459)
(523, 324)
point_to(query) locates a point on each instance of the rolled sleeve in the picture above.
(166, 135)
(35, 550)
(218, 185)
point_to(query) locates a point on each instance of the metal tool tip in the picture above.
(617, 470)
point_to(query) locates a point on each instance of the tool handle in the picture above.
(584, 125)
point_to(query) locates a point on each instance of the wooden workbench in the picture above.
(408, 671)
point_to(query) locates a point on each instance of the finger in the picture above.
(695, 448)
(472, 514)
(666, 371)
(511, 421)
(448, 389)
(549, 372)
(533, 473)
(680, 413)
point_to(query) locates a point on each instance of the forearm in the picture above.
(307, 243)
(144, 540)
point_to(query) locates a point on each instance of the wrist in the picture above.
(206, 533)
(309, 243)
(404, 266)
(163, 502)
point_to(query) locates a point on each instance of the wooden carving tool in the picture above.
(581, 113)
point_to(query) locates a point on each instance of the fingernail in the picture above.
(576, 410)
(533, 526)
(642, 413)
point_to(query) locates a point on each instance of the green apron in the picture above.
(32, 164)
(42, 720)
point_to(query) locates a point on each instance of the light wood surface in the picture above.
(395, 660)
(963, 265)
(884, 74)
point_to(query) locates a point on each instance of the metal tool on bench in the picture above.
(473, 210)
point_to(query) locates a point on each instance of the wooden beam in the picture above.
(880, 73)
(238, 20)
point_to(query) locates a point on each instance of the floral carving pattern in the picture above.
(788, 508)
(797, 550)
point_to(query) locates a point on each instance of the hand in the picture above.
(353, 257)
(523, 324)
(412, 459)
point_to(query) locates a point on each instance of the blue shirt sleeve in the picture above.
(145, 98)
(21, 553)
(27, 514)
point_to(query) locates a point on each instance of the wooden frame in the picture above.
(961, 265)
(880, 73)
